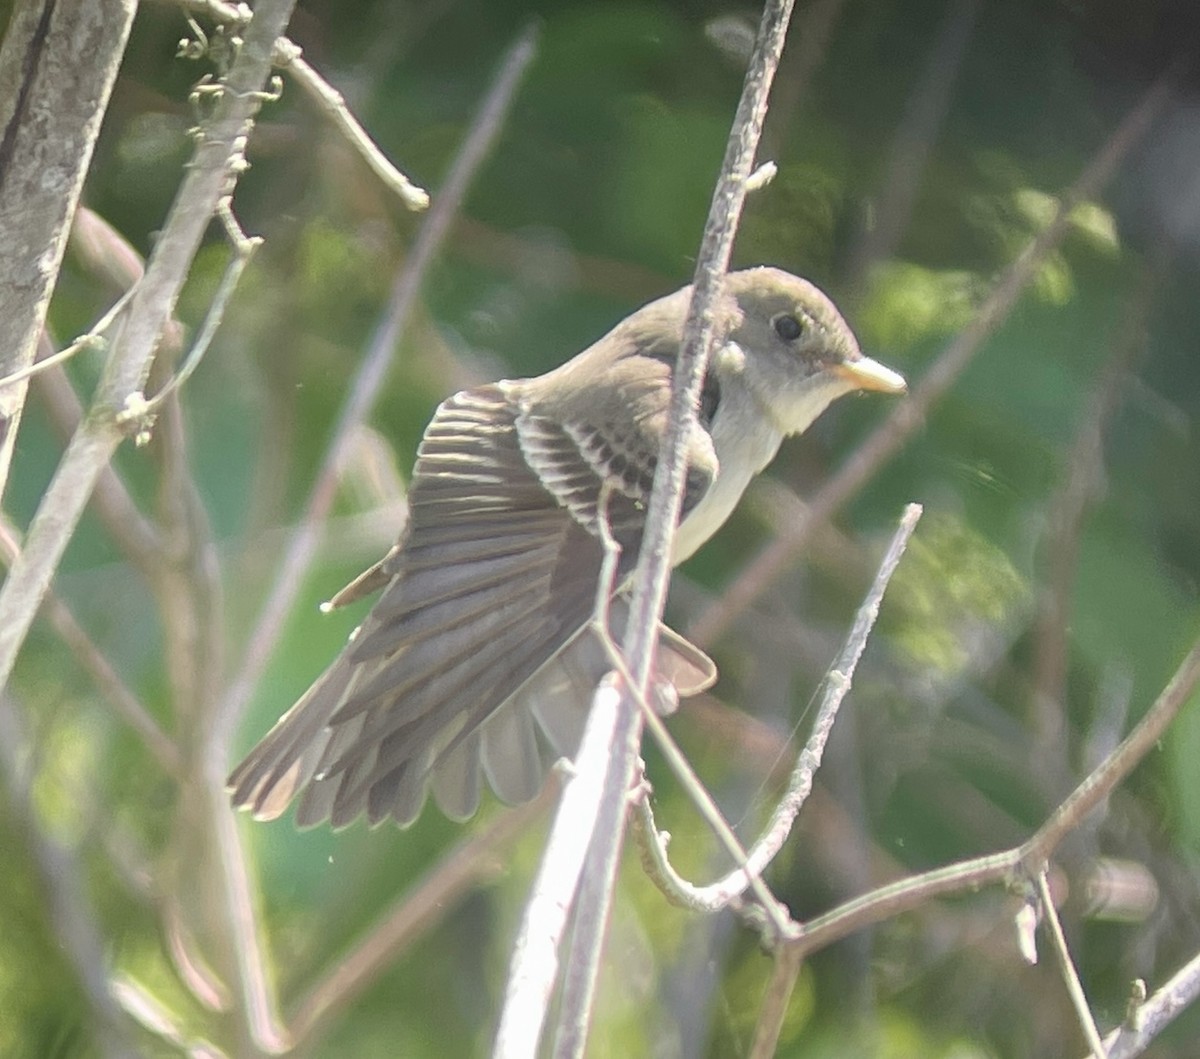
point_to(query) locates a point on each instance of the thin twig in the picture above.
(924, 114)
(217, 162)
(1147, 1020)
(364, 389)
(333, 106)
(908, 416)
(243, 249)
(289, 58)
(217, 158)
(1080, 480)
(92, 339)
(778, 916)
(784, 972)
(1067, 966)
(654, 559)
(718, 894)
(1029, 858)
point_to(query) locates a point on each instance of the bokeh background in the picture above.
(1046, 599)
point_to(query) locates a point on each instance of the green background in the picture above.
(593, 203)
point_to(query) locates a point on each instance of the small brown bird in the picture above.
(481, 634)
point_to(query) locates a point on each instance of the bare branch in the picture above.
(333, 106)
(430, 900)
(1025, 860)
(329, 101)
(653, 571)
(1067, 966)
(924, 113)
(243, 249)
(70, 914)
(1146, 1021)
(1080, 480)
(125, 704)
(784, 972)
(370, 377)
(217, 161)
(717, 895)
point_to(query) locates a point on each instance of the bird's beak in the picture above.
(867, 374)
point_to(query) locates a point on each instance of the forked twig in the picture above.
(369, 379)
(718, 894)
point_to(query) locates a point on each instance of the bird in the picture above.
(479, 658)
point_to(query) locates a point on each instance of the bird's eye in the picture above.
(788, 327)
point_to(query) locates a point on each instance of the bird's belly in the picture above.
(709, 515)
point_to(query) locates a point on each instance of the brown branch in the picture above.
(91, 659)
(134, 535)
(653, 570)
(474, 860)
(1027, 859)
(364, 390)
(1066, 965)
(1147, 1020)
(924, 114)
(288, 57)
(216, 163)
(717, 895)
(71, 917)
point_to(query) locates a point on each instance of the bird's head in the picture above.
(792, 349)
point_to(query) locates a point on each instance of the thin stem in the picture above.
(653, 570)
(1147, 1020)
(474, 860)
(208, 180)
(1029, 858)
(365, 388)
(70, 913)
(124, 702)
(718, 894)
(1067, 966)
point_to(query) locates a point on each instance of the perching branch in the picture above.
(654, 559)
(607, 757)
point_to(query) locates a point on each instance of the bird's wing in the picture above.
(496, 574)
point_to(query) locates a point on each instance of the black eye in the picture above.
(788, 327)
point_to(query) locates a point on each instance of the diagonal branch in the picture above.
(367, 383)
(216, 162)
(607, 757)
(719, 894)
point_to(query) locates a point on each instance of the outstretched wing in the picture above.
(492, 583)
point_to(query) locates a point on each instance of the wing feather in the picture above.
(495, 575)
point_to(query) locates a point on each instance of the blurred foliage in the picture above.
(592, 203)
